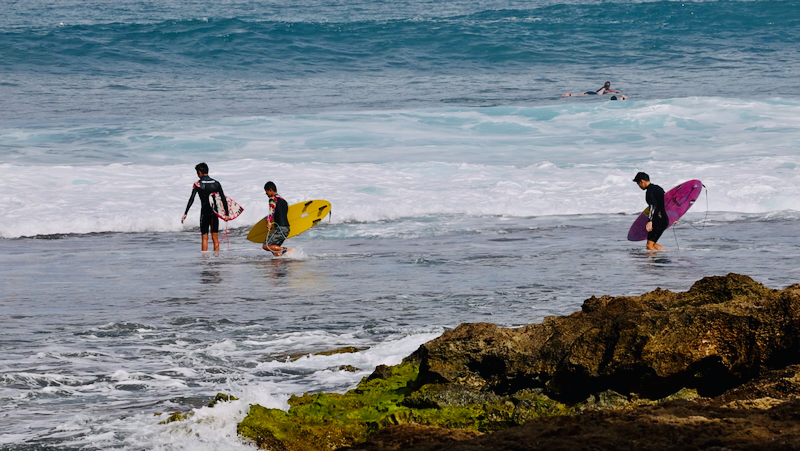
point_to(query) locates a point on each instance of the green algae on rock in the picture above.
(330, 420)
(325, 421)
(387, 397)
(221, 397)
(176, 416)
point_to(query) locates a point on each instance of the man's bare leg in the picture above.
(653, 246)
(215, 238)
(204, 246)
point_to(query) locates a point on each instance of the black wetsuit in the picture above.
(208, 219)
(658, 214)
(281, 210)
(593, 93)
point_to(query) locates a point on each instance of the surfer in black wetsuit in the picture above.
(606, 89)
(277, 221)
(658, 214)
(208, 219)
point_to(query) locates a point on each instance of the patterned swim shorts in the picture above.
(277, 236)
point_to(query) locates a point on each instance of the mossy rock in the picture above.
(440, 396)
(221, 397)
(176, 416)
(329, 420)
(388, 397)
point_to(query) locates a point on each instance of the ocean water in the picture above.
(463, 187)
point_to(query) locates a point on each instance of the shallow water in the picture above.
(106, 330)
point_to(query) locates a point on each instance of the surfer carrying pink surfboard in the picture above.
(208, 219)
(658, 221)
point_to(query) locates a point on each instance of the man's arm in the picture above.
(272, 206)
(189, 205)
(652, 204)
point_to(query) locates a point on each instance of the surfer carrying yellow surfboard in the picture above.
(208, 219)
(277, 221)
(657, 215)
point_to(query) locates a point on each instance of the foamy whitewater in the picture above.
(463, 188)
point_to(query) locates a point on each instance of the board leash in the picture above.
(705, 220)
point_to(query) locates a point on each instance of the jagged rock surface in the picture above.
(721, 333)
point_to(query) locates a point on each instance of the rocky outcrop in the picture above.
(721, 333)
(714, 366)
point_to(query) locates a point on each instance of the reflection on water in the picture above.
(210, 277)
(274, 268)
(301, 276)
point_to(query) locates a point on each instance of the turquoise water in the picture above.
(464, 187)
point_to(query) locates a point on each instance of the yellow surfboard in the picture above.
(302, 216)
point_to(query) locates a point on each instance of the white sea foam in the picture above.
(268, 384)
(566, 159)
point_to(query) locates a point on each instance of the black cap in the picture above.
(641, 176)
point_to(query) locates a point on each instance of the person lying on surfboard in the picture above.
(606, 89)
(208, 219)
(276, 221)
(658, 214)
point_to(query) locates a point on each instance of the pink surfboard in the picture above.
(677, 202)
(234, 209)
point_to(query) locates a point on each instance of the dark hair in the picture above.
(608, 83)
(270, 185)
(613, 97)
(641, 176)
(202, 168)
